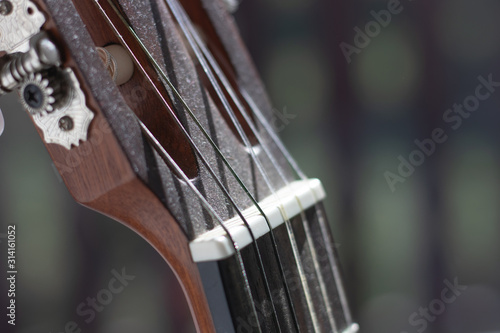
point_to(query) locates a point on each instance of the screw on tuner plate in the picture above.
(5, 7)
(43, 92)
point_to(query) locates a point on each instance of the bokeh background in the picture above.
(352, 121)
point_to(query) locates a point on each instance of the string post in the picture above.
(118, 63)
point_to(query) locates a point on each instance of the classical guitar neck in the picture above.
(161, 112)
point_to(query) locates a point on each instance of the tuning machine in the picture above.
(232, 5)
(48, 91)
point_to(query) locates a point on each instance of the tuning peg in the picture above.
(232, 5)
(17, 68)
(2, 123)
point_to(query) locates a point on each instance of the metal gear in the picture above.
(39, 93)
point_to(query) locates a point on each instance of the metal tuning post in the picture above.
(232, 5)
(18, 67)
(32, 65)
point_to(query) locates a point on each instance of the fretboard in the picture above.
(293, 277)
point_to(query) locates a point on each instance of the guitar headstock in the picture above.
(86, 76)
(128, 146)
(154, 115)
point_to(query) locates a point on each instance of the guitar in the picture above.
(155, 116)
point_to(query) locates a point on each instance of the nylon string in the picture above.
(191, 140)
(196, 44)
(190, 33)
(159, 148)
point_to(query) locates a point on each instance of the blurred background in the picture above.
(358, 97)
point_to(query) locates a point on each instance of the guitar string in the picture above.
(247, 144)
(188, 136)
(257, 246)
(322, 220)
(284, 152)
(332, 258)
(171, 162)
(196, 45)
(287, 156)
(235, 246)
(181, 97)
(221, 75)
(189, 32)
(278, 141)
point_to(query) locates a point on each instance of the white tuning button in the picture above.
(2, 123)
(232, 5)
(118, 63)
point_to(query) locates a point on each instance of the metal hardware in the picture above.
(39, 93)
(34, 96)
(68, 123)
(354, 328)
(5, 8)
(19, 21)
(19, 67)
(2, 123)
(50, 93)
(232, 5)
